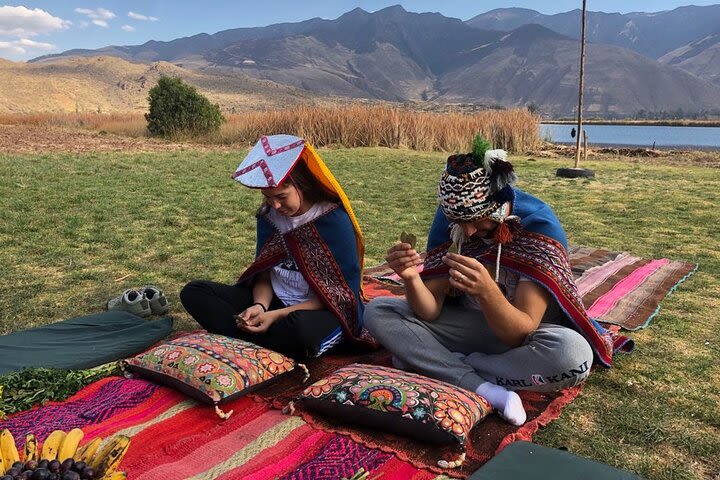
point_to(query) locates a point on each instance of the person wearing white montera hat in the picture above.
(302, 295)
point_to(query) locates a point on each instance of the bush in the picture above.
(177, 109)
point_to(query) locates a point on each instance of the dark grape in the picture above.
(54, 466)
(67, 465)
(43, 464)
(79, 467)
(40, 473)
(70, 475)
(31, 465)
(25, 475)
(7, 477)
(13, 472)
(18, 464)
(87, 474)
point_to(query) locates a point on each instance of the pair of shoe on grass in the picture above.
(149, 300)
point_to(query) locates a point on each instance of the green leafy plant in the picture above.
(36, 386)
(177, 109)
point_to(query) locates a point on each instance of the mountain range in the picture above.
(666, 61)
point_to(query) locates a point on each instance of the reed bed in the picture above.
(344, 126)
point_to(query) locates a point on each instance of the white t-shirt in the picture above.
(286, 279)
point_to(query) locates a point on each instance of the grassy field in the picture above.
(74, 224)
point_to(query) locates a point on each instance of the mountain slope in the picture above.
(110, 84)
(649, 34)
(701, 58)
(397, 55)
(529, 65)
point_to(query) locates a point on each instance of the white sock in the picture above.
(506, 402)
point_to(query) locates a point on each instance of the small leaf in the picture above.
(453, 248)
(403, 237)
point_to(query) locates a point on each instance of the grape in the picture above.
(79, 467)
(31, 465)
(54, 466)
(43, 464)
(25, 475)
(67, 465)
(87, 474)
(7, 477)
(40, 473)
(19, 465)
(70, 475)
(13, 472)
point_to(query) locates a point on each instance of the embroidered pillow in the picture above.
(211, 368)
(401, 402)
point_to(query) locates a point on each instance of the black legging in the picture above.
(214, 306)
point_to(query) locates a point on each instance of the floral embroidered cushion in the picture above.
(401, 402)
(211, 368)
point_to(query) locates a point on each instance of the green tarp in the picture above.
(529, 461)
(82, 342)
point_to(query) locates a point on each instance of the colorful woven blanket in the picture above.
(173, 437)
(617, 288)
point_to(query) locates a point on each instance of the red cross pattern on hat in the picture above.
(270, 161)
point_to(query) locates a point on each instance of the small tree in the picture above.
(178, 109)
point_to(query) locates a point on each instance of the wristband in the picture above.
(261, 305)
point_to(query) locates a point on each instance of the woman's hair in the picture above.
(301, 178)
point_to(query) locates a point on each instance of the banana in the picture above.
(51, 445)
(3, 467)
(69, 445)
(115, 476)
(7, 447)
(110, 460)
(31, 448)
(87, 451)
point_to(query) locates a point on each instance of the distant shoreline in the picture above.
(664, 148)
(654, 123)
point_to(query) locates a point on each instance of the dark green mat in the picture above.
(82, 342)
(529, 461)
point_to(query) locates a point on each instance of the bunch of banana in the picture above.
(62, 457)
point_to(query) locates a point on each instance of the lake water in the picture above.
(705, 138)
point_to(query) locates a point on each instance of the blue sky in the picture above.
(32, 28)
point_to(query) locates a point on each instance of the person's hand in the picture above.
(403, 259)
(260, 323)
(251, 312)
(467, 274)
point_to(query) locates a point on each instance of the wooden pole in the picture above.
(580, 93)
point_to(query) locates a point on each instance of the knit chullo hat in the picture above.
(476, 186)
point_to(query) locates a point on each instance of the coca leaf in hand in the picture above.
(408, 238)
(453, 248)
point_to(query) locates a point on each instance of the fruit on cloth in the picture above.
(108, 460)
(70, 443)
(30, 450)
(8, 449)
(61, 457)
(87, 451)
(51, 445)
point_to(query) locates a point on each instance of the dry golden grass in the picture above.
(346, 126)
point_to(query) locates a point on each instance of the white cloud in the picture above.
(98, 16)
(23, 22)
(23, 45)
(140, 16)
(128, 28)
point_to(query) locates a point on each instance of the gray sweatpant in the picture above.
(459, 348)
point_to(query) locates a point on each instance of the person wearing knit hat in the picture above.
(494, 308)
(302, 295)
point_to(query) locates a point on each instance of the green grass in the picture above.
(72, 225)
